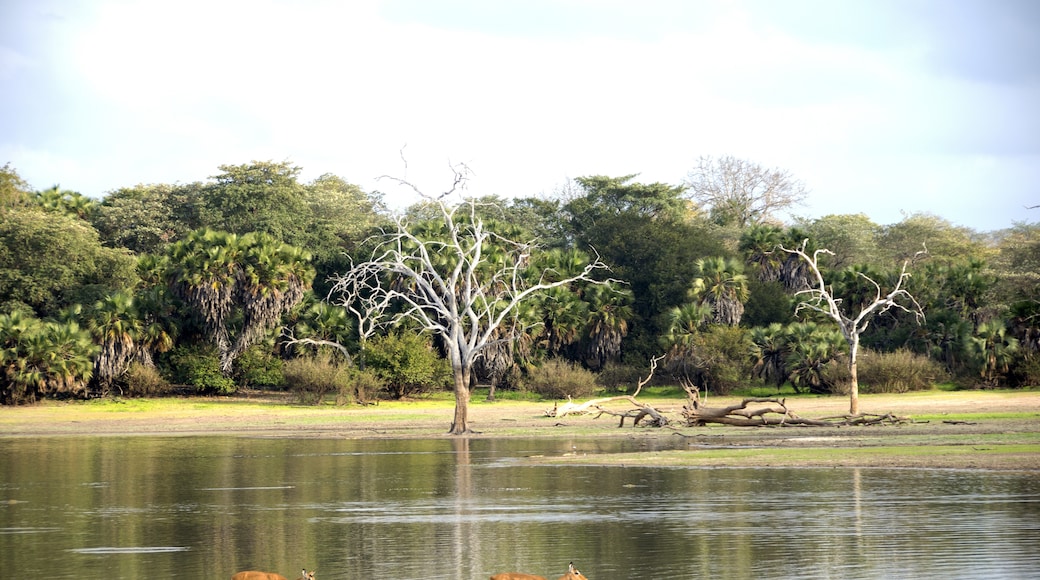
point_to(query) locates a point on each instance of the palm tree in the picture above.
(769, 348)
(609, 313)
(760, 245)
(116, 327)
(723, 285)
(215, 273)
(992, 350)
(810, 349)
(38, 357)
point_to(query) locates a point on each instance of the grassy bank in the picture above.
(963, 429)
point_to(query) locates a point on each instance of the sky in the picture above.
(881, 107)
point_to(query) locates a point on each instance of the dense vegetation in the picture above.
(231, 283)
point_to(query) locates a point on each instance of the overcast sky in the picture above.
(885, 107)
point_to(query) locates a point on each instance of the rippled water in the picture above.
(129, 508)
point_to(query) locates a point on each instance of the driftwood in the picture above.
(767, 411)
(641, 411)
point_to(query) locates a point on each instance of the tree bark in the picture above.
(459, 424)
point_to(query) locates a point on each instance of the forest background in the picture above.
(210, 287)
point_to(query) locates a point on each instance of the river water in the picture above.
(203, 507)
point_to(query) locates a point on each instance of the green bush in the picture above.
(557, 379)
(141, 381)
(897, 372)
(257, 367)
(199, 367)
(715, 359)
(407, 364)
(363, 385)
(619, 378)
(312, 378)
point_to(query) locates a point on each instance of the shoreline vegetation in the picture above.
(958, 429)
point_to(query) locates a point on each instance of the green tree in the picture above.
(50, 260)
(646, 235)
(262, 197)
(238, 286)
(67, 202)
(14, 191)
(147, 218)
(721, 283)
(38, 358)
(116, 327)
(991, 351)
(943, 241)
(610, 311)
(852, 238)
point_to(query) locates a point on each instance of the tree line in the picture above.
(254, 278)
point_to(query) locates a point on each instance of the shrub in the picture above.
(618, 377)
(558, 378)
(897, 372)
(142, 380)
(715, 359)
(407, 364)
(312, 378)
(257, 367)
(363, 384)
(199, 367)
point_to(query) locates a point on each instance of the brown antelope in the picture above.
(254, 575)
(572, 574)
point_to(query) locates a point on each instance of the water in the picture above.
(204, 507)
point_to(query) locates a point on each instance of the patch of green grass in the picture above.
(797, 456)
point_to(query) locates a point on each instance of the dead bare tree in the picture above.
(359, 295)
(820, 298)
(740, 192)
(463, 285)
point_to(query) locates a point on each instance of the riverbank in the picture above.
(963, 429)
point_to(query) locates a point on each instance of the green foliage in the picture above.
(810, 357)
(767, 304)
(199, 367)
(407, 363)
(990, 352)
(258, 367)
(39, 358)
(237, 286)
(620, 377)
(70, 203)
(714, 359)
(851, 237)
(50, 261)
(897, 372)
(644, 234)
(945, 242)
(142, 381)
(557, 379)
(14, 191)
(312, 378)
(146, 218)
(262, 197)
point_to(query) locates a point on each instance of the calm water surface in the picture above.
(134, 508)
